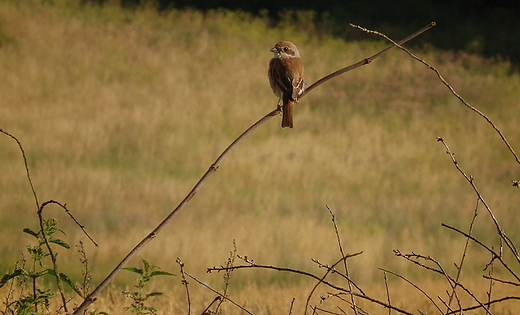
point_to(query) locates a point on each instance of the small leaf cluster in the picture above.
(139, 297)
(33, 298)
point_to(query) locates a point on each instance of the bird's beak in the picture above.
(274, 50)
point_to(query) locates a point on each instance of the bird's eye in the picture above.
(285, 49)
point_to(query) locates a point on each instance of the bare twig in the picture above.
(501, 281)
(53, 257)
(412, 257)
(342, 290)
(185, 282)
(291, 308)
(497, 256)
(345, 264)
(326, 311)
(64, 207)
(26, 166)
(335, 271)
(304, 273)
(206, 311)
(415, 286)
(471, 181)
(491, 282)
(462, 259)
(227, 275)
(506, 298)
(339, 296)
(452, 90)
(87, 274)
(220, 294)
(387, 293)
(329, 270)
(365, 61)
(375, 301)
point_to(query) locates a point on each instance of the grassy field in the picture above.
(120, 112)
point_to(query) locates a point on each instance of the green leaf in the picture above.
(69, 282)
(161, 273)
(146, 264)
(30, 232)
(154, 294)
(43, 273)
(59, 242)
(133, 269)
(9, 276)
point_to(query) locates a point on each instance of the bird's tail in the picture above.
(287, 114)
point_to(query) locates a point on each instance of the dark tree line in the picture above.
(490, 28)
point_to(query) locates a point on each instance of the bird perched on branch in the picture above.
(286, 78)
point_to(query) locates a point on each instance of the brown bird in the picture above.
(286, 78)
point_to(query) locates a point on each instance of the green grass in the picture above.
(120, 112)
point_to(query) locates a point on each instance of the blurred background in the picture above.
(489, 28)
(121, 108)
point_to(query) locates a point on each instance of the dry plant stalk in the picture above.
(452, 90)
(426, 262)
(185, 282)
(213, 168)
(335, 222)
(39, 212)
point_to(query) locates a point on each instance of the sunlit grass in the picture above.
(120, 112)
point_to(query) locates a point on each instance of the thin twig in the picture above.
(326, 311)
(336, 287)
(53, 258)
(501, 281)
(220, 294)
(345, 264)
(415, 286)
(490, 303)
(365, 61)
(387, 292)
(26, 166)
(441, 271)
(497, 256)
(64, 207)
(291, 308)
(227, 275)
(338, 296)
(304, 273)
(185, 282)
(206, 310)
(335, 271)
(491, 282)
(463, 258)
(375, 301)
(329, 270)
(471, 181)
(51, 252)
(452, 90)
